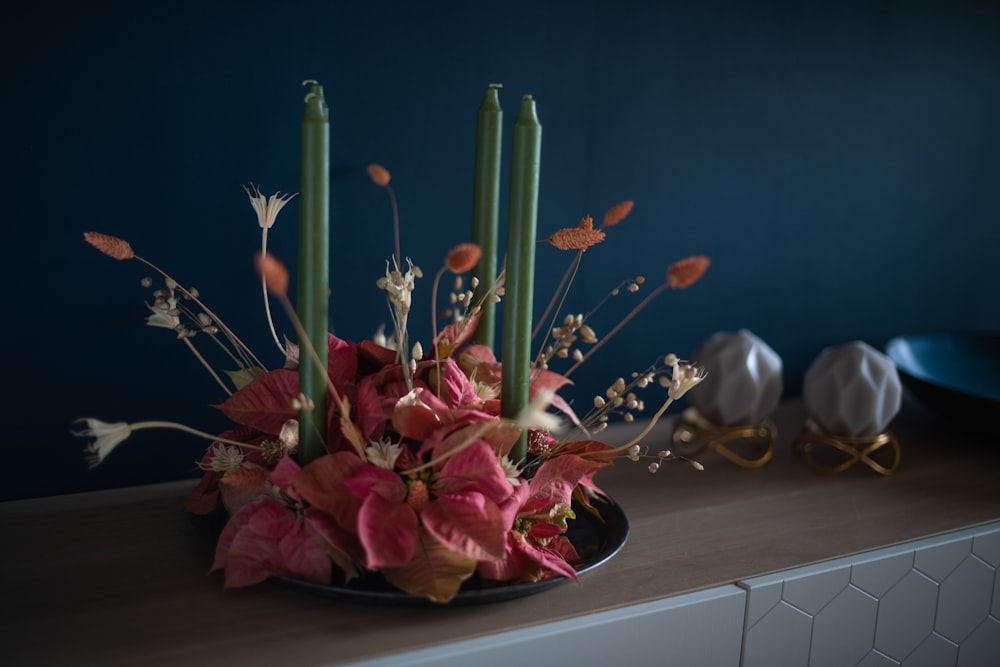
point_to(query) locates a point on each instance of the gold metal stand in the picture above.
(693, 435)
(856, 449)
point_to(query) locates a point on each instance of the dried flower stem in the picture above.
(560, 293)
(229, 333)
(267, 301)
(618, 327)
(208, 367)
(138, 426)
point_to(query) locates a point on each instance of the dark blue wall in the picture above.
(839, 162)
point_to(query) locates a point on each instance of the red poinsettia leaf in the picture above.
(388, 532)
(234, 525)
(475, 467)
(321, 484)
(544, 531)
(467, 523)
(265, 403)
(375, 356)
(371, 409)
(204, 497)
(413, 418)
(342, 361)
(342, 548)
(435, 572)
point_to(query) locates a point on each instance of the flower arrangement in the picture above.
(421, 479)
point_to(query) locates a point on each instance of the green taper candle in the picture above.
(523, 220)
(486, 206)
(312, 292)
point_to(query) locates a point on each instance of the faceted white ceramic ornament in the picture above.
(852, 390)
(743, 385)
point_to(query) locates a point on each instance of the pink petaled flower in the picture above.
(270, 537)
(536, 546)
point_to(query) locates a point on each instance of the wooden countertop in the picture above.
(118, 577)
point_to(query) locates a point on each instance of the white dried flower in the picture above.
(266, 208)
(382, 453)
(225, 458)
(510, 470)
(536, 415)
(108, 436)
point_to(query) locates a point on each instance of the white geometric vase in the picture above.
(852, 390)
(743, 385)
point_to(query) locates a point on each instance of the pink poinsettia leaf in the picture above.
(510, 507)
(544, 379)
(507, 568)
(370, 480)
(413, 417)
(248, 546)
(561, 404)
(302, 557)
(283, 472)
(435, 572)
(555, 480)
(467, 523)
(342, 548)
(265, 403)
(388, 532)
(234, 525)
(454, 336)
(454, 389)
(321, 484)
(475, 467)
(551, 562)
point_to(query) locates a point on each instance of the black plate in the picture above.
(595, 541)
(954, 374)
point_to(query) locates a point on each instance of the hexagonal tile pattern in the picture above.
(983, 646)
(780, 638)
(844, 630)
(906, 615)
(964, 599)
(876, 659)
(930, 602)
(933, 652)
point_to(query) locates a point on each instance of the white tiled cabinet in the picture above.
(934, 602)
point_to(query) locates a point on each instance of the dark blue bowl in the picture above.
(954, 374)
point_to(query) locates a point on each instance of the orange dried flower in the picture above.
(252, 477)
(577, 238)
(463, 257)
(380, 175)
(112, 246)
(274, 273)
(686, 272)
(617, 213)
